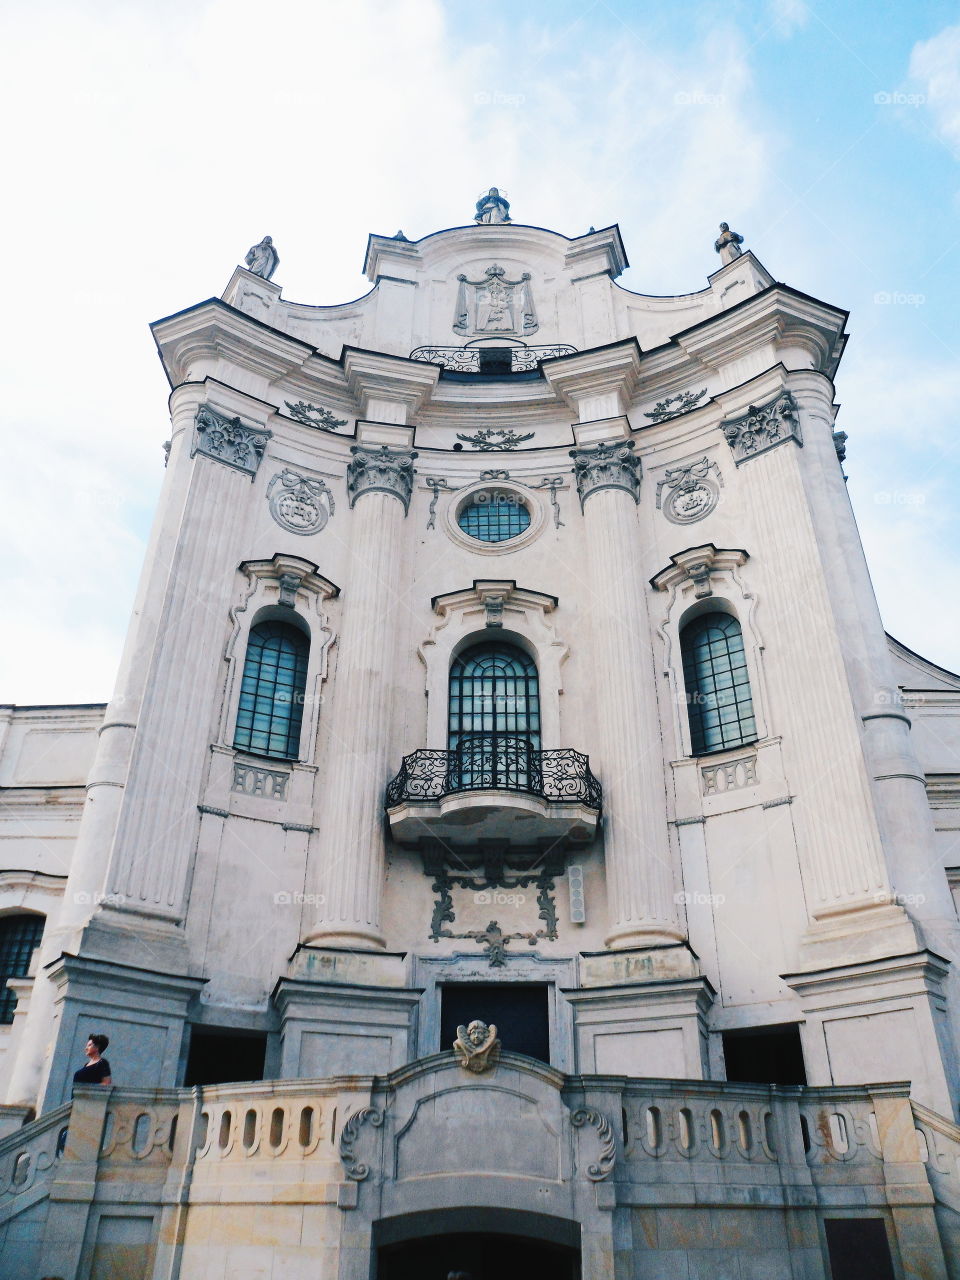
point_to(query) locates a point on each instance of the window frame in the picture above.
(723, 670)
(301, 668)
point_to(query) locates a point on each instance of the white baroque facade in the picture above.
(504, 650)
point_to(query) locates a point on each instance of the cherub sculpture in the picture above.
(476, 1046)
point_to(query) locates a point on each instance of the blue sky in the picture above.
(153, 144)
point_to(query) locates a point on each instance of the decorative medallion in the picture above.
(673, 406)
(763, 427)
(493, 438)
(381, 469)
(299, 503)
(607, 466)
(229, 440)
(484, 889)
(312, 415)
(495, 304)
(476, 1046)
(692, 491)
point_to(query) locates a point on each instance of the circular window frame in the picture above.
(462, 497)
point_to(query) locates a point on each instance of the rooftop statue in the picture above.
(492, 207)
(263, 258)
(728, 244)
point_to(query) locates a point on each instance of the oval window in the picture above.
(494, 515)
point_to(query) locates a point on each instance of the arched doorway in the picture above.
(481, 1243)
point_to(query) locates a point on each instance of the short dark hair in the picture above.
(100, 1041)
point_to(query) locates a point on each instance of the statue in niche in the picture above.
(262, 260)
(492, 207)
(728, 243)
(476, 1046)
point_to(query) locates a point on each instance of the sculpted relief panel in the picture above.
(495, 306)
(442, 1135)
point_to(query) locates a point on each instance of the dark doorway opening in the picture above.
(481, 1257)
(765, 1055)
(858, 1249)
(496, 362)
(224, 1057)
(518, 1009)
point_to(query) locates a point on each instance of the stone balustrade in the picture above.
(352, 1143)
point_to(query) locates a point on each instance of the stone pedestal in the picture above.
(879, 1021)
(655, 1026)
(337, 1029)
(142, 1012)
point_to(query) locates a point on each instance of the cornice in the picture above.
(597, 371)
(695, 565)
(492, 591)
(374, 374)
(212, 330)
(780, 316)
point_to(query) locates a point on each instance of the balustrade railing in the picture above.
(496, 762)
(490, 360)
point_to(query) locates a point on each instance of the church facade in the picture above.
(513, 845)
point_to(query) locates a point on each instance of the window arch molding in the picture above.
(285, 589)
(493, 611)
(699, 581)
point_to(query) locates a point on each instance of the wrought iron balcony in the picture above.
(490, 361)
(494, 786)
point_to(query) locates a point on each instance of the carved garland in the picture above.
(493, 939)
(608, 1144)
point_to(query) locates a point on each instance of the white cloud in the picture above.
(788, 16)
(935, 67)
(151, 145)
(902, 460)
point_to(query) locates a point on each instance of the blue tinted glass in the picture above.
(271, 691)
(717, 683)
(494, 516)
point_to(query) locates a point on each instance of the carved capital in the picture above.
(230, 441)
(381, 469)
(607, 466)
(763, 427)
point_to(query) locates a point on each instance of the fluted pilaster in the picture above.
(350, 867)
(639, 872)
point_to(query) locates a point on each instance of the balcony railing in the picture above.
(495, 361)
(496, 762)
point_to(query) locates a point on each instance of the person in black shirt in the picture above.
(97, 1069)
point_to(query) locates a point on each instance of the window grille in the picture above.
(272, 691)
(494, 718)
(494, 516)
(717, 683)
(19, 935)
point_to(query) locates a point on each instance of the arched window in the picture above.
(272, 690)
(19, 935)
(494, 716)
(717, 684)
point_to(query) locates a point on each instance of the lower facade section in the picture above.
(514, 1170)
